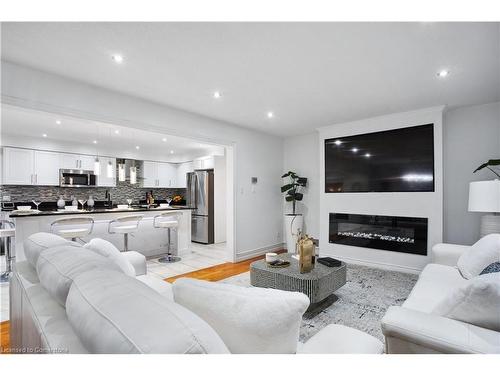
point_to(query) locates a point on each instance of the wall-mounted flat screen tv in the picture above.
(400, 160)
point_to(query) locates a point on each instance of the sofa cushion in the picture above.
(480, 255)
(36, 243)
(158, 285)
(249, 320)
(108, 250)
(435, 282)
(476, 302)
(114, 313)
(58, 266)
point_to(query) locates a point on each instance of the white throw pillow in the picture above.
(479, 256)
(477, 302)
(108, 250)
(38, 242)
(113, 313)
(249, 320)
(58, 266)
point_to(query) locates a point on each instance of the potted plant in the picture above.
(293, 222)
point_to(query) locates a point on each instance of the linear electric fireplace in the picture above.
(393, 233)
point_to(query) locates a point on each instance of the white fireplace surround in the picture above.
(416, 204)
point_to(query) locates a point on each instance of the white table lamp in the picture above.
(484, 196)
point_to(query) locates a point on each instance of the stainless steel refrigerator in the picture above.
(200, 189)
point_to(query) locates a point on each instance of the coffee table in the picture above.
(318, 285)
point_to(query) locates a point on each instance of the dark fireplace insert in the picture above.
(393, 233)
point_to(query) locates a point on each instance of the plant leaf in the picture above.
(302, 181)
(286, 187)
(487, 164)
(288, 198)
(299, 196)
(286, 174)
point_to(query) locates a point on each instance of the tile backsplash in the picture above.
(119, 194)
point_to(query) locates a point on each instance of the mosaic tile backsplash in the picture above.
(119, 194)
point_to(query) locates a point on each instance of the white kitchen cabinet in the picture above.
(30, 167)
(204, 163)
(150, 174)
(46, 168)
(103, 179)
(75, 161)
(18, 166)
(182, 170)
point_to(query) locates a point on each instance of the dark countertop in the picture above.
(17, 214)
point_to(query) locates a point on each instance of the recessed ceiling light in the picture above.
(164, 139)
(117, 131)
(117, 58)
(137, 147)
(171, 151)
(94, 142)
(44, 135)
(58, 122)
(443, 73)
(270, 114)
(217, 95)
(338, 142)
(368, 155)
(354, 149)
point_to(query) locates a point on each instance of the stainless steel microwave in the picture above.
(76, 178)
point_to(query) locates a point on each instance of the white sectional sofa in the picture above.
(417, 326)
(71, 299)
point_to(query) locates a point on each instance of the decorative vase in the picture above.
(74, 202)
(293, 229)
(60, 202)
(90, 202)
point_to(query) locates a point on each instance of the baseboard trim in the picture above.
(256, 252)
(381, 265)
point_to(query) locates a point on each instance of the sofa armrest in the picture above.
(447, 254)
(411, 331)
(137, 260)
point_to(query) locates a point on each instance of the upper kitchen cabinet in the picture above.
(204, 163)
(18, 166)
(182, 170)
(29, 167)
(103, 179)
(150, 174)
(74, 161)
(46, 168)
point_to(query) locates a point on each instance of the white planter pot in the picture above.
(293, 225)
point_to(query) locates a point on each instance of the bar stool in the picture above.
(124, 225)
(74, 228)
(168, 220)
(7, 232)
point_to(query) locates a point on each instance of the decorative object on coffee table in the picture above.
(318, 285)
(305, 248)
(293, 222)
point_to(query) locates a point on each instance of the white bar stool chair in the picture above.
(169, 221)
(74, 228)
(124, 225)
(7, 232)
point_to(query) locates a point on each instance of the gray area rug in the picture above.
(361, 303)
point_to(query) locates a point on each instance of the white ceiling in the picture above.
(308, 74)
(78, 135)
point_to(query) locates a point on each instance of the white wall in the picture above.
(301, 156)
(471, 137)
(219, 199)
(257, 215)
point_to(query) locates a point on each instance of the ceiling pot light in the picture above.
(117, 131)
(44, 135)
(171, 151)
(94, 142)
(109, 170)
(58, 122)
(164, 139)
(137, 147)
(443, 73)
(270, 114)
(354, 149)
(117, 58)
(217, 95)
(97, 166)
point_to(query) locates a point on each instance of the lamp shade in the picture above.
(484, 196)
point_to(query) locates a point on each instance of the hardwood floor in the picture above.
(215, 273)
(4, 337)
(220, 271)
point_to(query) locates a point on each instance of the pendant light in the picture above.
(97, 166)
(109, 170)
(121, 172)
(133, 175)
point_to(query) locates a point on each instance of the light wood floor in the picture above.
(215, 273)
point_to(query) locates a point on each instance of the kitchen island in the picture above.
(147, 240)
